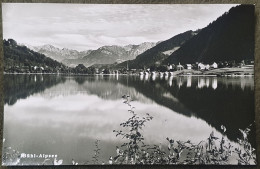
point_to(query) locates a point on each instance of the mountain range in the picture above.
(57, 53)
(103, 55)
(155, 55)
(229, 38)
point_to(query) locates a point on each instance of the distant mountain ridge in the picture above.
(57, 53)
(135, 50)
(112, 54)
(156, 54)
(103, 55)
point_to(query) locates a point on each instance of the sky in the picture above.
(90, 26)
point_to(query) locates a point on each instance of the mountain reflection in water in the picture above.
(91, 106)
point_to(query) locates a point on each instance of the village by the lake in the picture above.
(128, 84)
(227, 68)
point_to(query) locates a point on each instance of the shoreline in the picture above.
(230, 72)
(195, 75)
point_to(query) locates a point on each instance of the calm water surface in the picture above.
(64, 115)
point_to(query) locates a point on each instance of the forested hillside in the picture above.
(229, 38)
(20, 56)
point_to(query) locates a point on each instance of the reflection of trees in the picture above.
(158, 91)
(21, 86)
(107, 87)
(80, 80)
(230, 106)
(222, 102)
(218, 101)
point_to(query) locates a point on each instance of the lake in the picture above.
(64, 115)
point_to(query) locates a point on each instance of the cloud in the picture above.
(89, 26)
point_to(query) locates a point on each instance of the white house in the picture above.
(201, 66)
(169, 67)
(214, 65)
(207, 66)
(189, 66)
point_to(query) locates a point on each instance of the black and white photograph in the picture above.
(128, 84)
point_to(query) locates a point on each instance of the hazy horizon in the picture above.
(90, 26)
